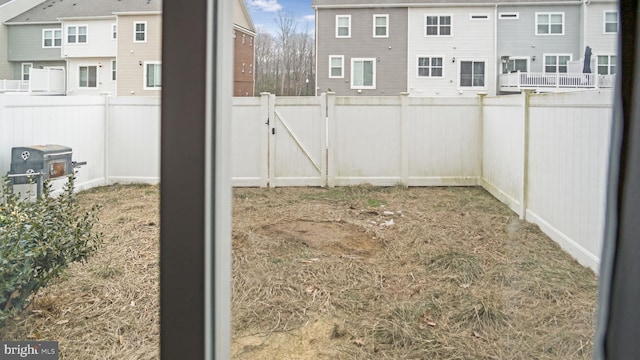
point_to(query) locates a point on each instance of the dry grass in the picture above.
(326, 273)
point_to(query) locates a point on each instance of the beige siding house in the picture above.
(139, 53)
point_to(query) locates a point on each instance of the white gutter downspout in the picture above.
(315, 36)
(496, 82)
(585, 3)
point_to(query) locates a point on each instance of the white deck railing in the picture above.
(547, 81)
(43, 81)
(14, 85)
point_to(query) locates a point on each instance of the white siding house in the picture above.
(89, 47)
(451, 50)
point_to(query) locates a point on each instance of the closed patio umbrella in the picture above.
(586, 69)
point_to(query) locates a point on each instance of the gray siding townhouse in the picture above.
(455, 47)
(361, 49)
(8, 10)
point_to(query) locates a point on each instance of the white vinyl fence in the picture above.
(545, 156)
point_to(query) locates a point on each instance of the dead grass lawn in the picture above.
(345, 273)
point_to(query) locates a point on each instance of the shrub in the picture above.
(38, 240)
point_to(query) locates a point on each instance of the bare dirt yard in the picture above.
(346, 273)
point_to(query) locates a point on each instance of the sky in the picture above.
(264, 13)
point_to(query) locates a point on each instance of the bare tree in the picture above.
(285, 61)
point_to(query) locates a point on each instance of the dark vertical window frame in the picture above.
(182, 200)
(617, 332)
(195, 244)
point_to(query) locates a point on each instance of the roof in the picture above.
(52, 10)
(4, 1)
(405, 3)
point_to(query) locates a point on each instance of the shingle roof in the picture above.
(343, 3)
(4, 1)
(52, 10)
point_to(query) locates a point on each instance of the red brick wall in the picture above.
(243, 75)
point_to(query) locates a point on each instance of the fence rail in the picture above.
(545, 156)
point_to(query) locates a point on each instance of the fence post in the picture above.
(525, 159)
(404, 151)
(107, 125)
(331, 138)
(325, 145)
(265, 123)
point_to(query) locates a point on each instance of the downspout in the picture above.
(585, 13)
(495, 51)
(315, 83)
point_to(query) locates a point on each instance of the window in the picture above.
(515, 65)
(343, 26)
(51, 38)
(556, 63)
(610, 22)
(363, 73)
(472, 73)
(250, 40)
(437, 25)
(88, 76)
(509, 16)
(242, 67)
(140, 31)
(549, 23)
(250, 68)
(430, 66)
(152, 76)
(26, 71)
(243, 39)
(479, 17)
(336, 66)
(114, 31)
(380, 26)
(77, 34)
(606, 64)
(113, 70)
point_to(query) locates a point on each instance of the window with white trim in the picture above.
(113, 70)
(556, 63)
(26, 71)
(87, 77)
(550, 23)
(152, 75)
(242, 67)
(437, 25)
(363, 73)
(509, 16)
(381, 26)
(114, 31)
(606, 64)
(430, 66)
(140, 31)
(51, 38)
(343, 26)
(336, 66)
(610, 22)
(77, 34)
(472, 74)
(515, 64)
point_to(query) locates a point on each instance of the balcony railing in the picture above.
(14, 85)
(518, 81)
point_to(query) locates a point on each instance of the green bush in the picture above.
(38, 240)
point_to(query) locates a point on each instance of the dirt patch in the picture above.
(336, 238)
(346, 273)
